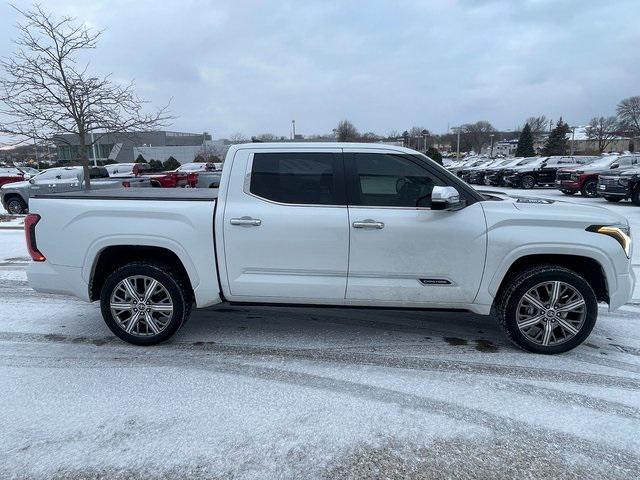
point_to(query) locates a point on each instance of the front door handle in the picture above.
(368, 224)
(246, 221)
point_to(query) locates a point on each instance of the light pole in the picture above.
(573, 138)
(425, 133)
(457, 130)
(293, 129)
(491, 152)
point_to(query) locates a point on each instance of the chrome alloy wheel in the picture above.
(551, 313)
(141, 306)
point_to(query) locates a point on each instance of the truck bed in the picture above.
(172, 194)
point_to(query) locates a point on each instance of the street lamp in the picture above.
(457, 130)
(425, 133)
(491, 153)
(573, 138)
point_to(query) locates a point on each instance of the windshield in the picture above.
(603, 161)
(528, 160)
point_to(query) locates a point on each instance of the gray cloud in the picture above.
(253, 66)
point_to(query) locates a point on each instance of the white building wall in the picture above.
(183, 154)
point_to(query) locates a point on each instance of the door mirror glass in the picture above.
(615, 165)
(32, 181)
(446, 198)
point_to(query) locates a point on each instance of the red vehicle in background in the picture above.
(171, 179)
(192, 170)
(16, 174)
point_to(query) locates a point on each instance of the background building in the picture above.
(119, 147)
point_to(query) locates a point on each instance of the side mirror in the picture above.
(32, 181)
(446, 198)
(615, 165)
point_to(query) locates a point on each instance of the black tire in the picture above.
(589, 188)
(174, 284)
(569, 192)
(16, 206)
(635, 196)
(527, 182)
(520, 284)
(612, 199)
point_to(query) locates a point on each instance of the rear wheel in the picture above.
(590, 188)
(527, 182)
(612, 199)
(16, 206)
(548, 309)
(144, 303)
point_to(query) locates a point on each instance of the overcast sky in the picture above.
(253, 66)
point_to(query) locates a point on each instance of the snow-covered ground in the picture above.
(270, 392)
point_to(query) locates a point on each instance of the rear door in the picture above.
(286, 230)
(401, 251)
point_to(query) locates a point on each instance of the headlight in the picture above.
(619, 232)
(623, 182)
(574, 176)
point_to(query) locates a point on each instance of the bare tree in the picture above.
(538, 125)
(209, 152)
(603, 130)
(478, 134)
(266, 137)
(46, 92)
(238, 137)
(629, 115)
(347, 132)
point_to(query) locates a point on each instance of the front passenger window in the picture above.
(388, 180)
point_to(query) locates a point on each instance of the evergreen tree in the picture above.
(140, 159)
(171, 164)
(434, 155)
(525, 143)
(155, 165)
(557, 143)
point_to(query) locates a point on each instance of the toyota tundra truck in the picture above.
(351, 225)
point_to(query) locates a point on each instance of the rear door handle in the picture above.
(246, 221)
(368, 224)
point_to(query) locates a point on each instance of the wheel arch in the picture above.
(111, 257)
(586, 266)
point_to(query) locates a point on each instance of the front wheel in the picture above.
(548, 309)
(16, 206)
(612, 199)
(528, 182)
(590, 188)
(144, 303)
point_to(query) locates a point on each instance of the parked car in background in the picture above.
(196, 169)
(541, 172)
(477, 174)
(16, 174)
(584, 178)
(171, 179)
(494, 175)
(464, 172)
(621, 184)
(15, 196)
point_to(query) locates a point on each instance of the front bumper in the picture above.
(623, 293)
(613, 189)
(568, 185)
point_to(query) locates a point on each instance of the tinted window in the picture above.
(301, 178)
(391, 181)
(626, 161)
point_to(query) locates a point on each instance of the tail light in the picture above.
(30, 233)
(126, 184)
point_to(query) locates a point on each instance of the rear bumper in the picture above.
(47, 278)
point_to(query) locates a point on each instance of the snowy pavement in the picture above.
(271, 392)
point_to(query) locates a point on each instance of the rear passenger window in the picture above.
(297, 178)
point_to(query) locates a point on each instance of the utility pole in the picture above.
(425, 134)
(93, 149)
(293, 129)
(491, 153)
(457, 130)
(573, 138)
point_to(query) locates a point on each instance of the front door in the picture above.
(286, 232)
(401, 251)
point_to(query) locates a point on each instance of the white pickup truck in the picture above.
(332, 224)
